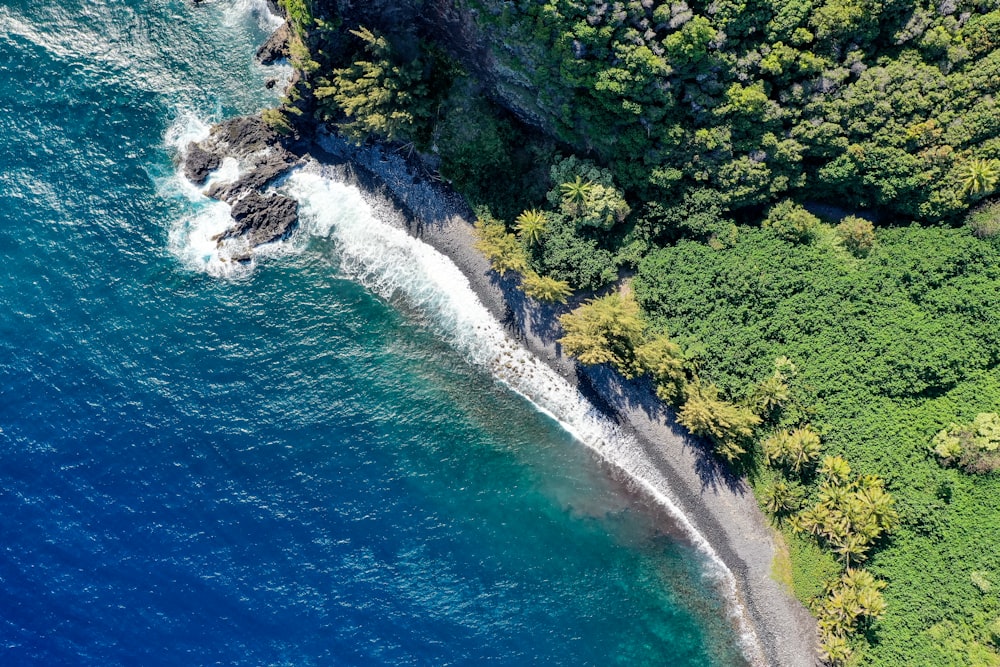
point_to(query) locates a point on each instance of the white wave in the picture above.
(258, 10)
(393, 264)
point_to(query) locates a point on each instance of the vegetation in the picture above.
(889, 350)
(605, 331)
(974, 446)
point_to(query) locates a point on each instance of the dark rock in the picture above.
(261, 218)
(251, 141)
(199, 163)
(244, 135)
(276, 46)
(263, 170)
(270, 83)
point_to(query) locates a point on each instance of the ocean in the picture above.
(315, 459)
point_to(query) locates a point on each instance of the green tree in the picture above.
(500, 247)
(545, 288)
(727, 425)
(792, 222)
(663, 359)
(378, 96)
(857, 234)
(605, 330)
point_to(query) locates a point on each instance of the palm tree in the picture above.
(803, 448)
(836, 468)
(574, 193)
(852, 548)
(979, 177)
(531, 225)
(771, 394)
(783, 498)
(835, 650)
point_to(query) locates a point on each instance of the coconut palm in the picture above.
(531, 225)
(771, 394)
(979, 177)
(836, 468)
(803, 448)
(782, 498)
(852, 548)
(835, 650)
(574, 193)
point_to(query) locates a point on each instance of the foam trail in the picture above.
(393, 264)
(260, 10)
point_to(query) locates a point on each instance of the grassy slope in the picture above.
(891, 348)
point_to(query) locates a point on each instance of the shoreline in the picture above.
(681, 470)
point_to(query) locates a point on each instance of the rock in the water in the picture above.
(276, 46)
(199, 163)
(264, 168)
(261, 218)
(243, 135)
(249, 140)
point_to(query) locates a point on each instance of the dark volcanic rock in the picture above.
(258, 218)
(276, 46)
(264, 169)
(199, 163)
(244, 135)
(251, 141)
(262, 218)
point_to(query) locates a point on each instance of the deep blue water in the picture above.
(281, 468)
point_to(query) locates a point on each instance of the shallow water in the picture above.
(309, 462)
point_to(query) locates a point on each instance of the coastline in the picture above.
(677, 469)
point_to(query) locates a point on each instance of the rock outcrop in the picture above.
(259, 217)
(276, 47)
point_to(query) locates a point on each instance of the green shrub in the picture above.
(974, 447)
(985, 220)
(857, 234)
(792, 222)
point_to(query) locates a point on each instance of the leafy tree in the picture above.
(857, 234)
(545, 288)
(985, 220)
(974, 446)
(573, 254)
(792, 222)
(727, 425)
(587, 194)
(605, 330)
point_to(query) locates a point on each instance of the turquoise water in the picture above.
(309, 462)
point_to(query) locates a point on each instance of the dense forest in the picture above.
(800, 197)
